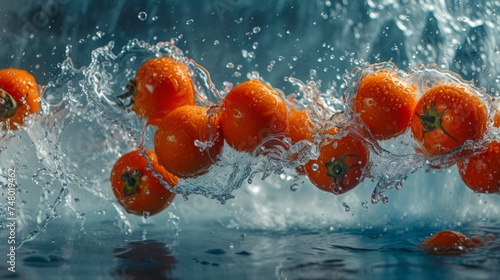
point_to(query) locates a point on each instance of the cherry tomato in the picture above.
(481, 172)
(160, 86)
(496, 120)
(451, 242)
(19, 97)
(341, 164)
(188, 141)
(135, 186)
(446, 116)
(300, 128)
(250, 113)
(385, 103)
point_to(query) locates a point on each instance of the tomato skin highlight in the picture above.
(160, 86)
(21, 86)
(135, 186)
(385, 103)
(250, 112)
(341, 164)
(454, 114)
(175, 137)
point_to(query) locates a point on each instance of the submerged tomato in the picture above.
(452, 242)
(136, 187)
(19, 97)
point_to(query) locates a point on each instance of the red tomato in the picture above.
(176, 137)
(160, 86)
(341, 164)
(446, 116)
(136, 187)
(19, 97)
(250, 113)
(385, 103)
(452, 242)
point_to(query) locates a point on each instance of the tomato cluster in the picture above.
(446, 118)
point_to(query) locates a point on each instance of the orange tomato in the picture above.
(385, 103)
(160, 86)
(481, 173)
(496, 120)
(451, 242)
(19, 97)
(300, 128)
(136, 187)
(446, 116)
(341, 164)
(251, 112)
(188, 141)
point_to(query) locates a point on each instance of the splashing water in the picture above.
(81, 131)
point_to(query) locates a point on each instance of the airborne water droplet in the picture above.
(142, 16)
(347, 208)
(294, 187)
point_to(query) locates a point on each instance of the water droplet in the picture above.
(142, 16)
(364, 204)
(230, 65)
(216, 42)
(315, 167)
(189, 21)
(155, 18)
(294, 187)
(77, 199)
(256, 30)
(346, 207)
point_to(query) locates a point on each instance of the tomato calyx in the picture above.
(431, 120)
(131, 181)
(8, 105)
(337, 169)
(131, 88)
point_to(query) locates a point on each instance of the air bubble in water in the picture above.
(256, 30)
(189, 21)
(294, 187)
(142, 16)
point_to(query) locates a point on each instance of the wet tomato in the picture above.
(19, 97)
(188, 141)
(446, 116)
(300, 128)
(481, 172)
(160, 86)
(135, 186)
(341, 164)
(452, 242)
(385, 103)
(250, 113)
